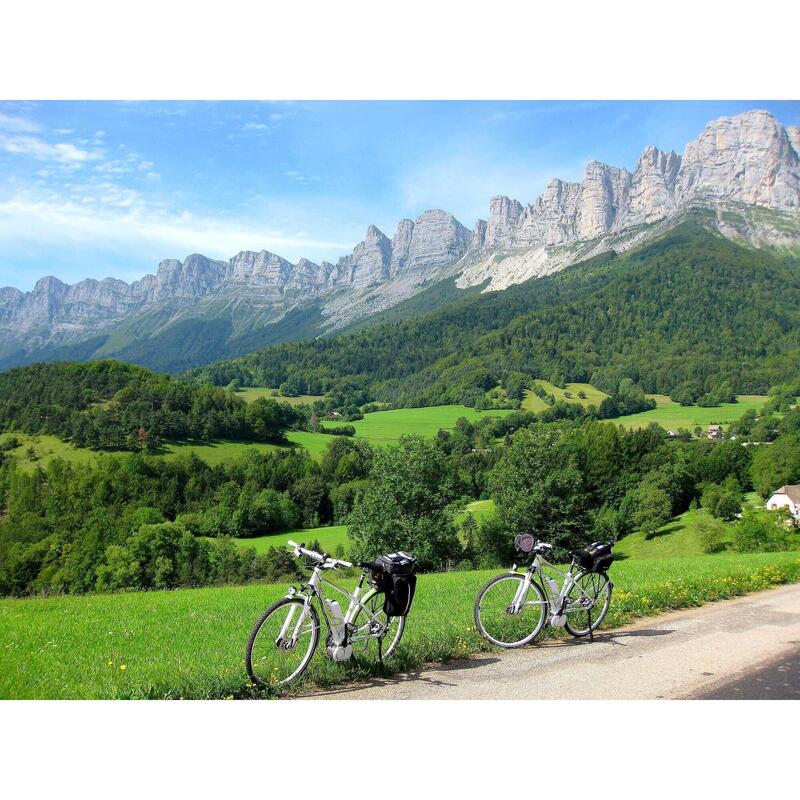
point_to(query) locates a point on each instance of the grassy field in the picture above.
(46, 448)
(250, 393)
(190, 643)
(480, 509)
(388, 426)
(666, 413)
(594, 397)
(329, 538)
(672, 415)
(679, 537)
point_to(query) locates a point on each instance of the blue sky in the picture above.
(97, 189)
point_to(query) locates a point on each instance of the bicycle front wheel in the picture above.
(499, 622)
(587, 603)
(282, 642)
(366, 626)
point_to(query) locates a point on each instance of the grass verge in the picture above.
(190, 643)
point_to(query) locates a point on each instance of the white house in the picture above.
(715, 432)
(787, 497)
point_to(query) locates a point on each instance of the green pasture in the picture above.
(672, 415)
(45, 448)
(250, 393)
(190, 643)
(594, 396)
(388, 426)
(329, 538)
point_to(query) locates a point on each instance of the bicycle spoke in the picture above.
(282, 646)
(587, 603)
(504, 618)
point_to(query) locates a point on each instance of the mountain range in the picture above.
(739, 178)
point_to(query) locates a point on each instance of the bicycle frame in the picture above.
(355, 604)
(556, 602)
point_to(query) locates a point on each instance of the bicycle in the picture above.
(283, 640)
(512, 609)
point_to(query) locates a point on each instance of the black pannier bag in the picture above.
(596, 557)
(398, 583)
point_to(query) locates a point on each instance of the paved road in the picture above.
(748, 647)
(777, 680)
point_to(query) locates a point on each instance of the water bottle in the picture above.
(553, 587)
(337, 620)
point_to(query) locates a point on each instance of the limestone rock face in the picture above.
(604, 197)
(747, 159)
(793, 132)
(651, 196)
(259, 269)
(370, 261)
(401, 245)
(504, 216)
(438, 239)
(478, 239)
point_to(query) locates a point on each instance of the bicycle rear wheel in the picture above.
(587, 603)
(281, 646)
(496, 619)
(366, 645)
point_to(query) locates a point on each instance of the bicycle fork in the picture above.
(281, 641)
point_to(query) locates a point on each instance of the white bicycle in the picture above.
(283, 640)
(512, 609)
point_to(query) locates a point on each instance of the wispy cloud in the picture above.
(299, 177)
(18, 124)
(41, 150)
(107, 217)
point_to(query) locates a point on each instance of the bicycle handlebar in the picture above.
(323, 559)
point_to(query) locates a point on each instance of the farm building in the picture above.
(715, 432)
(787, 497)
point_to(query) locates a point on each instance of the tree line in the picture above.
(110, 405)
(137, 522)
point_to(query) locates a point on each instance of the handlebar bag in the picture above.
(399, 583)
(596, 557)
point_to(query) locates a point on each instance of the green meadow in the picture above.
(388, 426)
(329, 538)
(594, 397)
(190, 643)
(250, 393)
(667, 413)
(672, 415)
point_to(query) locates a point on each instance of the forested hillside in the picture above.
(110, 405)
(688, 314)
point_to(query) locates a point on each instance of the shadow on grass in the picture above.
(672, 528)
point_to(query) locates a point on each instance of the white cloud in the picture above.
(105, 217)
(299, 177)
(18, 124)
(35, 147)
(255, 126)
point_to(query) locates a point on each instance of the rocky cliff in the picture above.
(736, 165)
(744, 170)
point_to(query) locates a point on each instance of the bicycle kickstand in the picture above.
(380, 651)
(591, 630)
